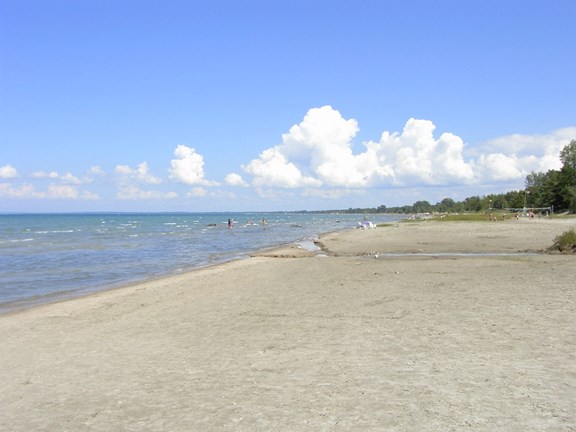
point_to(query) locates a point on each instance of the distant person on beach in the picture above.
(229, 223)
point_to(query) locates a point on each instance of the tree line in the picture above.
(554, 188)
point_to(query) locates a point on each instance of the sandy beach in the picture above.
(421, 326)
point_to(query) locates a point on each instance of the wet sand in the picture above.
(350, 339)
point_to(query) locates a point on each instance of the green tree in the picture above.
(568, 154)
(472, 204)
(555, 188)
(537, 184)
(568, 177)
(446, 205)
(499, 202)
(422, 207)
(515, 199)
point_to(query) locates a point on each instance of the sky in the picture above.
(259, 105)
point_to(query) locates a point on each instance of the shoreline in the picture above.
(335, 341)
(16, 306)
(95, 271)
(295, 250)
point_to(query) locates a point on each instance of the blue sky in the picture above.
(141, 105)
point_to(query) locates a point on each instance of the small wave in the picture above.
(54, 232)
(17, 241)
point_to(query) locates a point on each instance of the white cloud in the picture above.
(499, 167)
(96, 170)
(123, 169)
(318, 152)
(44, 174)
(322, 136)
(315, 152)
(54, 191)
(449, 160)
(332, 193)
(538, 144)
(188, 167)
(8, 171)
(197, 192)
(223, 195)
(273, 169)
(269, 194)
(134, 193)
(71, 179)
(526, 153)
(67, 178)
(140, 174)
(234, 179)
(24, 191)
(62, 191)
(415, 156)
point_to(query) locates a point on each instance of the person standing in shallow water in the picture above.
(229, 223)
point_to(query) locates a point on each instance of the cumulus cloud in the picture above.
(524, 153)
(197, 192)
(223, 195)
(416, 156)
(234, 179)
(267, 193)
(140, 174)
(314, 152)
(130, 180)
(72, 179)
(273, 169)
(134, 193)
(188, 167)
(318, 152)
(96, 170)
(54, 191)
(44, 174)
(23, 191)
(63, 191)
(8, 171)
(332, 193)
(499, 167)
(67, 178)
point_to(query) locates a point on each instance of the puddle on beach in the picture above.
(309, 245)
(454, 254)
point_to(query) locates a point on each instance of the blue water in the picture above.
(45, 257)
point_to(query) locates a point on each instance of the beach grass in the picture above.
(565, 241)
(467, 217)
(385, 225)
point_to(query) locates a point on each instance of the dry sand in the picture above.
(345, 342)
